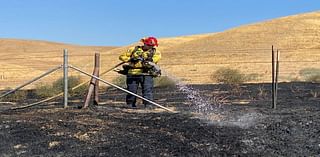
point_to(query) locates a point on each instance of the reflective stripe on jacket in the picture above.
(137, 67)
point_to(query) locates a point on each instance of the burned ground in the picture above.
(243, 125)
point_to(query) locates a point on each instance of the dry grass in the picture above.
(190, 58)
(22, 60)
(297, 37)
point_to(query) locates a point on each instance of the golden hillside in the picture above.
(23, 60)
(193, 58)
(248, 48)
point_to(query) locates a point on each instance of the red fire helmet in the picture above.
(150, 41)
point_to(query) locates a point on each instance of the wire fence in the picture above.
(198, 67)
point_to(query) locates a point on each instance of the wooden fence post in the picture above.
(96, 87)
(93, 86)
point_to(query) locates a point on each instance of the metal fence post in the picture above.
(273, 76)
(276, 79)
(65, 77)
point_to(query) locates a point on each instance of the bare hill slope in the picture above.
(248, 48)
(195, 58)
(22, 60)
(192, 58)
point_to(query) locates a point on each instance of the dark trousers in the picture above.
(133, 82)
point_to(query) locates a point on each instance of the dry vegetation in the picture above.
(297, 37)
(22, 60)
(246, 48)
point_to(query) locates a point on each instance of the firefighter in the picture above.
(140, 68)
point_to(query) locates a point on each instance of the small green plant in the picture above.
(72, 82)
(309, 71)
(228, 76)
(47, 90)
(164, 81)
(82, 90)
(310, 74)
(313, 78)
(19, 95)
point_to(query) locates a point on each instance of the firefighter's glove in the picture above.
(148, 64)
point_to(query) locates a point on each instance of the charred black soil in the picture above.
(240, 122)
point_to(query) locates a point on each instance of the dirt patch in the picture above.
(111, 129)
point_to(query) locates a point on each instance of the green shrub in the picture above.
(164, 81)
(228, 76)
(19, 95)
(82, 90)
(309, 71)
(310, 74)
(72, 82)
(313, 78)
(46, 90)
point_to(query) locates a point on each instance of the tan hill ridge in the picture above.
(192, 58)
(22, 60)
